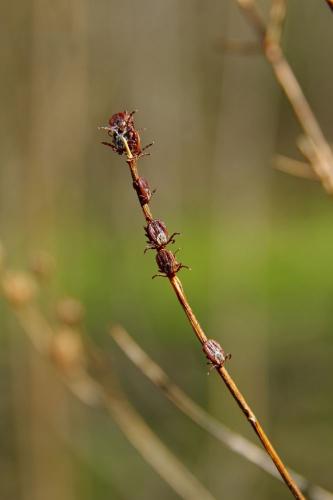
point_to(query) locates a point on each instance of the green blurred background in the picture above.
(259, 242)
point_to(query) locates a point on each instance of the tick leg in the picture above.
(182, 266)
(141, 155)
(159, 275)
(110, 146)
(148, 146)
(211, 367)
(148, 247)
(171, 239)
(132, 113)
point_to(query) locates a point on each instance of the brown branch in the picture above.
(178, 288)
(276, 18)
(330, 4)
(323, 164)
(203, 419)
(65, 350)
(294, 167)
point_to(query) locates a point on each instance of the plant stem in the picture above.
(87, 389)
(232, 440)
(321, 156)
(227, 379)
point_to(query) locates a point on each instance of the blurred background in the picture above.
(259, 242)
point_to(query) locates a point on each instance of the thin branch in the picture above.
(168, 466)
(67, 355)
(237, 395)
(330, 4)
(323, 165)
(294, 167)
(276, 18)
(122, 131)
(203, 419)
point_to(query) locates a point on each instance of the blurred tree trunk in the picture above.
(52, 168)
(240, 219)
(54, 174)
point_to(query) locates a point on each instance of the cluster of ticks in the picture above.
(125, 139)
(120, 127)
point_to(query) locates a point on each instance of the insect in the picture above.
(167, 264)
(158, 235)
(134, 142)
(215, 353)
(121, 126)
(122, 121)
(143, 191)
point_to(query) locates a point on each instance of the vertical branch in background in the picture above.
(243, 144)
(276, 19)
(319, 151)
(15, 56)
(126, 139)
(58, 97)
(55, 155)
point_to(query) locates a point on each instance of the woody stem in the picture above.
(227, 379)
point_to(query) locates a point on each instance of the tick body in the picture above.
(120, 127)
(143, 191)
(167, 264)
(134, 142)
(158, 235)
(122, 121)
(215, 353)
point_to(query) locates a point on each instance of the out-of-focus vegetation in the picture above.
(259, 242)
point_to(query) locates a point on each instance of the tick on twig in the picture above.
(215, 353)
(143, 191)
(167, 264)
(158, 235)
(122, 121)
(121, 126)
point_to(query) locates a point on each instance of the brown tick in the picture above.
(121, 126)
(158, 235)
(167, 264)
(215, 353)
(143, 191)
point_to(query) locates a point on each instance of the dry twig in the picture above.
(125, 139)
(65, 349)
(330, 4)
(294, 167)
(203, 419)
(320, 156)
(276, 18)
